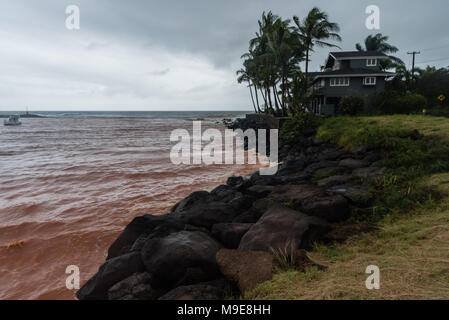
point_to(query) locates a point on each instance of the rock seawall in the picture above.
(190, 253)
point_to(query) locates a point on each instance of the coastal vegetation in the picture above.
(271, 67)
(411, 210)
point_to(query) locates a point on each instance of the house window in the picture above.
(369, 81)
(339, 82)
(371, 62)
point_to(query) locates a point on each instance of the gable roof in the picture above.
(357, 54)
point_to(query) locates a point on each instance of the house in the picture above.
(347, 72)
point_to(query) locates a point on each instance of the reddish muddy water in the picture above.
(69, 186)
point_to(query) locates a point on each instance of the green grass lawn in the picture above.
(411, 248)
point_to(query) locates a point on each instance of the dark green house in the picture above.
(347, 72)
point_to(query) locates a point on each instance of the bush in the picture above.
(350, 105)
(303, 124)
(409, 103)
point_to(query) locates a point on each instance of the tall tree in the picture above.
(379, 43)
(316, 29)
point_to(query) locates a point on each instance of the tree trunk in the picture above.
(269, 98)
(264, 99)
(257, 99)
(252, 97)
(307, 66)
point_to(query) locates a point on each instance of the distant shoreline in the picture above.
(194, 115)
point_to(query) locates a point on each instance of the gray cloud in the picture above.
(161, 54)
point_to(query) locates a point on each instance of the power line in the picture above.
(435, 60)
(436, 48)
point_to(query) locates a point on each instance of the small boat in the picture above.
(13, 121)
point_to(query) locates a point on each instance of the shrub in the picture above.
(350, 105)
(303, 124)
(409, 103)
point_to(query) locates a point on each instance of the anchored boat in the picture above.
(13, 121)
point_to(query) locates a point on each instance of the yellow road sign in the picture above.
(442, 97)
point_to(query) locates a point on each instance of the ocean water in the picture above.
(70, 182)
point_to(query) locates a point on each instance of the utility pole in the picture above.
(414, 53)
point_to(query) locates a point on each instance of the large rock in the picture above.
(335, 180)
(358, 194)
(319, 165)
(246, 268)
(135, 287)
(230, 234)
(260, 191)
(369, 172)
(111, 272)
(330, 171)
(206, 213)
(145, 226)
(192, 199)
(281, 228)
(255, 212)
(295, 194)
(353, 163)
(181, 258)
(203, 291)
(332, 208)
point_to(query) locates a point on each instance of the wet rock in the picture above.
(281, 228)
(353, 163)
(246, 268)
(331, 171)
(372, 157)
(145, 226)
(335, 180)
(359, 150)
(358, 194)
(135, 287)
(332, 208)
(319, 165)
(206, 213)
(293, 165)
(235, 181)
(260, 191)
(203, 291)
(111, 272)
(181, 258)
(332, 154)
(295, 194)
(369, 172)
(193, 198)
(230, 234)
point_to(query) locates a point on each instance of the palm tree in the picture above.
(244, 77)
(379, 43)
(314, 30)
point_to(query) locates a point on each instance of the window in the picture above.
(339, 82)
(369, 81)
(371, 62)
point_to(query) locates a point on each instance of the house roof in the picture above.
(355, 72)
(357, 54)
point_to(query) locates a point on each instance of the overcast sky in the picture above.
(174, 55)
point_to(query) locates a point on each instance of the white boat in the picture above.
(13, 121)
